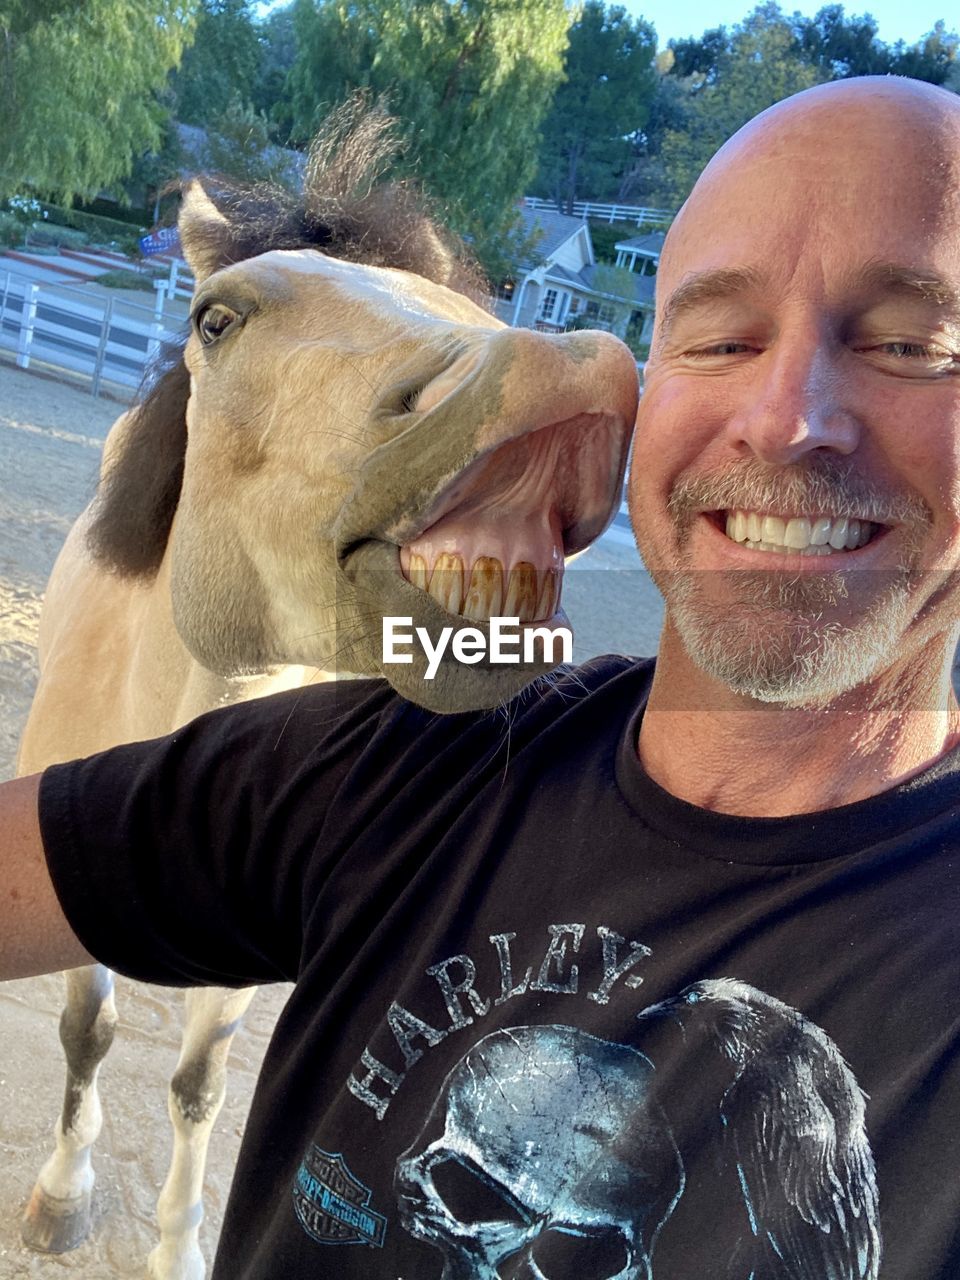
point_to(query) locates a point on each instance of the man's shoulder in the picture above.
(567, 686)
(363, 705)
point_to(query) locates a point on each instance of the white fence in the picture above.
(637, 214)
(178, 283)
(104, 338)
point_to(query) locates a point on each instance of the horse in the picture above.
(346, 435)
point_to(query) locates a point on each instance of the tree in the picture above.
(760, 67)
(605, 98)
(241, 146)
(469, 80)
(223, 61)
(934, 58)
(699, 55)
(670, 111)
(154, 169)
(80, 89)
(840, 46)
(278, 52)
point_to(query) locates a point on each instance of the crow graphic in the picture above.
(788, 1134)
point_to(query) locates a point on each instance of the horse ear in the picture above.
(205, 232)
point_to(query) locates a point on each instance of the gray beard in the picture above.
(773, 640)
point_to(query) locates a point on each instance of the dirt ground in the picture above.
(50, 440)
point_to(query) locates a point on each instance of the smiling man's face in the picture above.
(795, 484)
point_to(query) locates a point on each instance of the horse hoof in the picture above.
(167, 1262)
(55, 1226)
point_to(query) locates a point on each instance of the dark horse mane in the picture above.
(346, 210)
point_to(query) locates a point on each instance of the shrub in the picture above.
(48, 233)
(98, 229)
(11, 229)
(126, 280)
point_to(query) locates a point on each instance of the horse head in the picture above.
(364, 441)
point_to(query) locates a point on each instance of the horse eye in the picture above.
(213, 320)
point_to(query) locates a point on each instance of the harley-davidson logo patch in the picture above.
(332, 1205)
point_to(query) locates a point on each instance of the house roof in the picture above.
(561, 274)
(651, 243)
(555, 228)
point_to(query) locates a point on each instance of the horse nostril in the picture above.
(408, 401)
(450, 380)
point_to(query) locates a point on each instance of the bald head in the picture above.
(847, 114)
(879, 149)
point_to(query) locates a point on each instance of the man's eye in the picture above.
(717, 349)
(920, 357)
(917, 350)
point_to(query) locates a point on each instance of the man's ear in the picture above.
(205, 232)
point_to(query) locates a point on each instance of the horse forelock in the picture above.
(345, 208)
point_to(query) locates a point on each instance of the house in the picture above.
(567, 286)
(641, 253)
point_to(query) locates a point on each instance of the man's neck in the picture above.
(726, 752)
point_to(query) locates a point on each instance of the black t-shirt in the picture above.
(548, 1019)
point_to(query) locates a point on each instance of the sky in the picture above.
(678, 18)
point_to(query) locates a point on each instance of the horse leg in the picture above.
(197, 1092)
(58, 1215)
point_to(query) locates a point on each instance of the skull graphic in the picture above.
(543, 1157)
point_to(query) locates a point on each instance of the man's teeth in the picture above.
(486, 590)
(816, 536)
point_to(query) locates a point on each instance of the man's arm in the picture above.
(34, 934)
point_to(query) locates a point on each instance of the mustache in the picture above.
(827, 484)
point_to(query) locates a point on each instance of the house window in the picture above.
(549, 303)
(506, 290)
(602, 312)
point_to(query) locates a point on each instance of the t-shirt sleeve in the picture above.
(182, 860)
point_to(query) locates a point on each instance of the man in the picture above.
(658, 979)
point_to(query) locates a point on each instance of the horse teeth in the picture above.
(417, 571)
(485, 593)
(521, 601)
(549, 596)
(446, 581)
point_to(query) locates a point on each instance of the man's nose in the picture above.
(797, 403)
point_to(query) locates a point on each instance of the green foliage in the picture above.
(11, 229)
(504, 255)
(96, 228)
(469, 80)
(240, 146)
(278, 52)
(616, 283)
(605, 98)
(840, 46)
(113, 211)
(699, 55)
(222, 62)
(126, 280)
(721, 79)
(154, 168)
(80, 86)
(934, 58)
(607, 235)
(759, 67)
(53, 236)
